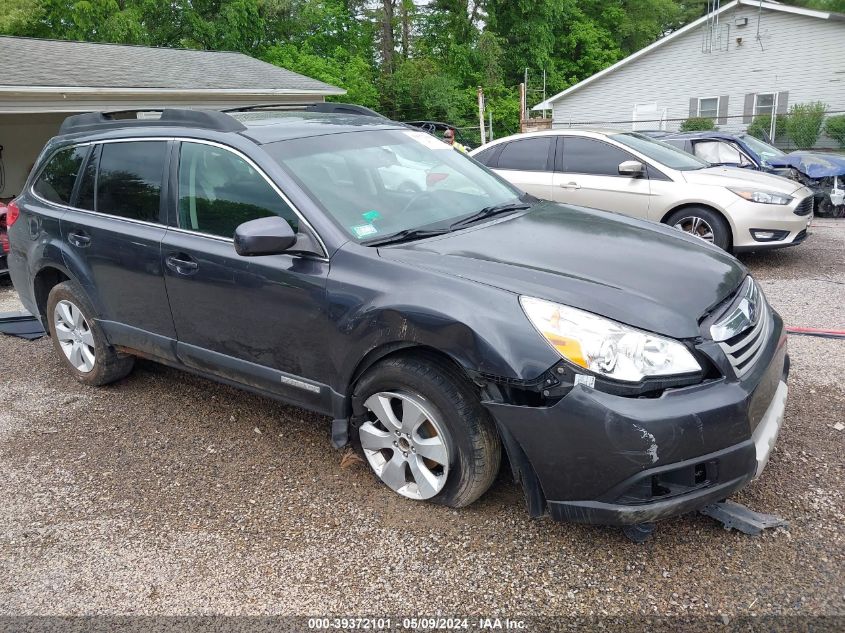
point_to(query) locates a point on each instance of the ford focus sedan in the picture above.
(735, 209)
(438, 316)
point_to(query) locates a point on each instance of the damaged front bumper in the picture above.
(593, 457)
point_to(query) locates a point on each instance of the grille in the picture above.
(802, 235)
(805, 207)
(745, 348)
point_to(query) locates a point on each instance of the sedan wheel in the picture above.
(74, 335)
(405, 444)
(696, 226)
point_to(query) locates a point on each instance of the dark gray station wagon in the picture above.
(442, 318)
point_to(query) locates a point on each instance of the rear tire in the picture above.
(411, 389)
(704, 223)
(79, 340)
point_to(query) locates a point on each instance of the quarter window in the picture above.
(88, 180)
(708, 108)
(129, 180)
(530, 154)
(590, 156)
(485, 157)
(218, 191)
(59, 175)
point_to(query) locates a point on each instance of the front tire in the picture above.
(426, 435)
(79, 340)
(704, 223)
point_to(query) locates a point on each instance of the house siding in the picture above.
(803, 56)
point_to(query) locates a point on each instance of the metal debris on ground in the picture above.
(21, 324)
(734, 515)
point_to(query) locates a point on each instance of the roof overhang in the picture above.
(30, 99)
(548, 104)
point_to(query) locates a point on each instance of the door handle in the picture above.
(570, 185)
(78, 239)
(181, 264)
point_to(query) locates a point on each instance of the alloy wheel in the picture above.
(74, 335)
(405, 444)
(697, 226)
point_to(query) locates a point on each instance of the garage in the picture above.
(44, 81)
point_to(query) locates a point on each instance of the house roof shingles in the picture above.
(56, 63)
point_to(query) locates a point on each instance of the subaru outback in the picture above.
(439, 316)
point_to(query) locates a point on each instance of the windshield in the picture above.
(663, 153)
(378, 183)
(763, 150)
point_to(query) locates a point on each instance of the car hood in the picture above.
(644, 274)
(739, 177)
(811, 164)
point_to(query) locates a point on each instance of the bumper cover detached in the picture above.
(598, 458)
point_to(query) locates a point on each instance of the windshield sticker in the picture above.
(428, 140)
(363, 230)
(371, 215)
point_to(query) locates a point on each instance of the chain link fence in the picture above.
(822, 131)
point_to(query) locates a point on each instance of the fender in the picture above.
(480, 327)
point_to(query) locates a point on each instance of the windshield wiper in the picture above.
(404, 236)
(489, 212)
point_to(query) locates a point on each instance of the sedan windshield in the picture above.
(376, 184)
(763, 150)
(663, 153)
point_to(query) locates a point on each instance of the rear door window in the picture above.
(219, 190)
(129, 179)
(530, 154)
(56, 181)
(591, 156)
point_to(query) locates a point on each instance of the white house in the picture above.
(747, 57)
(43, 81)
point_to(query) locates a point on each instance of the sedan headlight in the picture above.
(606, 347)
(763, 197)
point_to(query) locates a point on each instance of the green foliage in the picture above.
(835, 129)
(442, 50)
(339, 68)
(762, 124)
(804, 123)
(697, 123)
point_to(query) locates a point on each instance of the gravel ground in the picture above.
(169, 494)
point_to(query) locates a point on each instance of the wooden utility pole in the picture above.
(522, 107)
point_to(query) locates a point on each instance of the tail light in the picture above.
(12, 213)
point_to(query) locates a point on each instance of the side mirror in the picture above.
(632, 168)
(264, 236)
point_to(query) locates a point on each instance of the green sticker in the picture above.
(363, 230)
(371, 215)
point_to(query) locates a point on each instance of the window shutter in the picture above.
(693, 107)
(783, 102)
(748, 108)
(723, 110)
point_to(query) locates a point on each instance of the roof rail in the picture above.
(205, 119)
(320, 106)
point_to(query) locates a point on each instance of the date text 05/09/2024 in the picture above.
(433, 623)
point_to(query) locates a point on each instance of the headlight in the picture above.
(763, 197)
(606, 347)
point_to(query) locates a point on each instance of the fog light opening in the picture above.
(768, 235)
